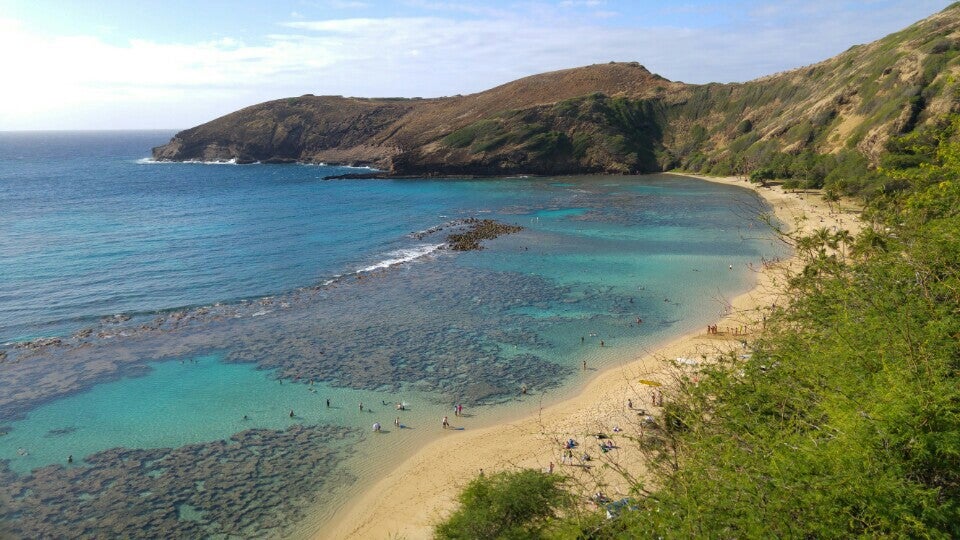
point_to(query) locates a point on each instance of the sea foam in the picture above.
(401, 256)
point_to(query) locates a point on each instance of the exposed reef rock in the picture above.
(480, 229)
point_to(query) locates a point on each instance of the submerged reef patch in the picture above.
(257, 484)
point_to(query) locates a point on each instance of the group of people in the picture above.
(737, 331)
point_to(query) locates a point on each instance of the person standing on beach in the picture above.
(446, 423)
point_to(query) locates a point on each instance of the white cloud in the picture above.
(83, 81)
(346, 4)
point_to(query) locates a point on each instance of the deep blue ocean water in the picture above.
(237, 279)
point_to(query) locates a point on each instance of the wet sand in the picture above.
(408, 501)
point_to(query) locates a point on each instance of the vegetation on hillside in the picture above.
(506, 505)
(845, 420)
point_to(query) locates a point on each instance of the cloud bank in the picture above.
(83, 81)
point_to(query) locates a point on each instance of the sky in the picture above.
(131, 64)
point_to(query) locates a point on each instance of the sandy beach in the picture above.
(411, 499)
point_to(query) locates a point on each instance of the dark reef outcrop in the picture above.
(478, 231)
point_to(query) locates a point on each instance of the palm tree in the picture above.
(831, 196)
(824, 239)
(843, 238)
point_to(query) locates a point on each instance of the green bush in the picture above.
(506, 505)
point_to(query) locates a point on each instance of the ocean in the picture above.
(172, 332)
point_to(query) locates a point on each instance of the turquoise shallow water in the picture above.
(175, 404)
(231, 279)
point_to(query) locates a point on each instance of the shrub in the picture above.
(506, 505)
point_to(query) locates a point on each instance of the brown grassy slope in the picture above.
(333, 128)
(442, 117)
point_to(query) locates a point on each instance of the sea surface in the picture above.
(172, 333)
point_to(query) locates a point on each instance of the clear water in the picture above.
(244, 298)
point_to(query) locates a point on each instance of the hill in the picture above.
(617, 118)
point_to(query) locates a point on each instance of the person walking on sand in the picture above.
(446, 422)
(397, 422)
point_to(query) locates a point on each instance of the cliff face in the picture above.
(611, 118)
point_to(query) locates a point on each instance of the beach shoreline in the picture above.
(410, 499)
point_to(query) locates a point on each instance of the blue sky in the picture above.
(174, 64)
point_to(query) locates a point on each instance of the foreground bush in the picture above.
(506, 505)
